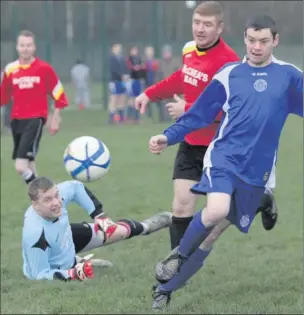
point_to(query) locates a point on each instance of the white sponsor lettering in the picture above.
(26, 82)
(192, 76)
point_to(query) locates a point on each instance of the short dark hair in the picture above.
(39, 184)
(26, 33)
(260, 22)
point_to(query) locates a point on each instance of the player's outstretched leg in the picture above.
(111, 232)
(269, 210)
(157, 222)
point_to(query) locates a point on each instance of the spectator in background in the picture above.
(80, 75)
(168, 65)
(134, 86)
(119, 74)
(151, 67)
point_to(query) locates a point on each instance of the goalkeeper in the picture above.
(50, 242)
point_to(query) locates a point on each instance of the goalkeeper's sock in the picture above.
(195, 234)
(193, 264)
(135, 228)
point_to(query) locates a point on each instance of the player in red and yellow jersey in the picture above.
(28, 82)
(202, 58)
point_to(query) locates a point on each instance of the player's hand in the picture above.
(83, 269)
(157, 144)
(54, 125)
(177, 108)
(141, 102)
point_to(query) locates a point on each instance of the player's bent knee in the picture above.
(184, 201)
(183, 206)
(214, 214)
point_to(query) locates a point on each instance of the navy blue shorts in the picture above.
(134, 88)
(245, 198)
(117, 88)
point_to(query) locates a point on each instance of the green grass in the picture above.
(96, 93)
(259, 273)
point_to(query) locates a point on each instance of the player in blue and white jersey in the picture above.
(50, 243)
(256, 96)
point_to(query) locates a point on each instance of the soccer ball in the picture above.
(87, 159)
(190, 4)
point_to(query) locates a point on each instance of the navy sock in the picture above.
(136, 115)
(195, 234)
(193, 264)
(121, 114)
(130, 112)
(111, 117)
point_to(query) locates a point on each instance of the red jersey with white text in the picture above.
(191, 79)
(29, 86)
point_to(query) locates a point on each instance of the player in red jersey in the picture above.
(202, 58)
(28, 82)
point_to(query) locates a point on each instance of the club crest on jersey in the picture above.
(244, 222)
(260, 85)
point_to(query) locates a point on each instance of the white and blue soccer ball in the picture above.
(87, 159)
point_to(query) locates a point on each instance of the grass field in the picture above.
(96, 91)
(260, 273)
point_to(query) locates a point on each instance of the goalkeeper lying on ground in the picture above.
(50, 242)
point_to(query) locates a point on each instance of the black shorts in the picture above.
(189, 162)
(82, 235)
(26, 136)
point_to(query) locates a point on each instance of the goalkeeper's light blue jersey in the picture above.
(47, 246)
(255, 102)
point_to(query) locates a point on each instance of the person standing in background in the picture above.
(80, 75)
(151, 68)
(118, 76)
(168, 65)
(134, 86)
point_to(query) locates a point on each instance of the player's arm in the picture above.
(201, 114)
(6, 88)
(56, 91)
(296, 92)
(166, 88)
(75, 191)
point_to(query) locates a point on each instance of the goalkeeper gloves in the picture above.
(83, 269)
